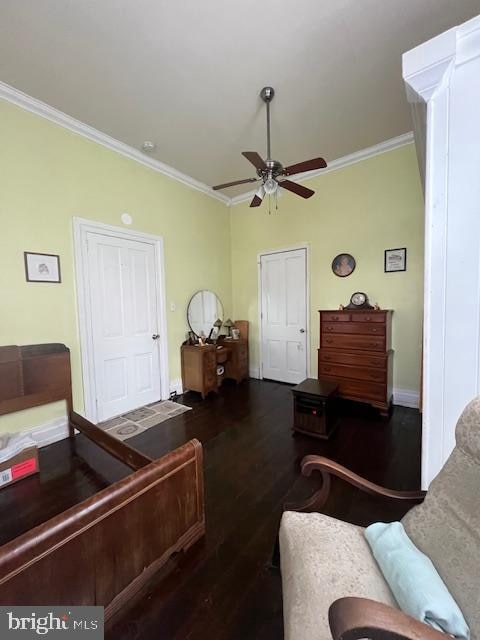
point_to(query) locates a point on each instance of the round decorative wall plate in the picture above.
(343, 265)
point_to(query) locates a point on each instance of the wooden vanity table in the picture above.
(199, 364)
(205, 316)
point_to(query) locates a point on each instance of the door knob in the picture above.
(155, 336)
(302, 330)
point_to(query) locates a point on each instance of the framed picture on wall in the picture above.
(343, 265)
(395, 260)
(42, 267)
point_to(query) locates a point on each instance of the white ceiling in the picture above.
(186, 73)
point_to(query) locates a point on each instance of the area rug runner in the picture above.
(139, 420)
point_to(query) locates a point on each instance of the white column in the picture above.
(445, 73)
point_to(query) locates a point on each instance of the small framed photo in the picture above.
(395, 260)
(343, 265)
(42, 267)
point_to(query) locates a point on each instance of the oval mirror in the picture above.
(204, 308)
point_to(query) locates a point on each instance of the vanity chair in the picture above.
(205, 367)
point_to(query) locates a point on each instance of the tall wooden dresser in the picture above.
(355, 351)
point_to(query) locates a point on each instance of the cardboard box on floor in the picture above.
(21, 465)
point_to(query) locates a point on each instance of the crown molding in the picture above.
(340, 163)
(24, 101)
(39, 108)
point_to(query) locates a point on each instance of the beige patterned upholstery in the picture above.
(446, 526)
(323, 559)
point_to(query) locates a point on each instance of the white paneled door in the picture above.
(125, 335)
(284, 315)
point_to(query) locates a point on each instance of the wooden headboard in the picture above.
(34, 374)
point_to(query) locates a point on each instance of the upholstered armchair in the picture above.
(332, 585)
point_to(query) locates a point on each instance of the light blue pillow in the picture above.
(414, 581)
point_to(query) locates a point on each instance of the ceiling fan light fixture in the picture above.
(270, 185)
(260, 193)
(269, 170)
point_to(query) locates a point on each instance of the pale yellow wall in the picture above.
(47, 176)
(361, 209)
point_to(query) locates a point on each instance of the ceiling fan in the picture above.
(271, 172)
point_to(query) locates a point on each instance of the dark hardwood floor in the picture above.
(221, 588)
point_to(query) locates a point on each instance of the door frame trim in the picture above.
(268, 252)
(82, 226)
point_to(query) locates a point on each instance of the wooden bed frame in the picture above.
(103, 550)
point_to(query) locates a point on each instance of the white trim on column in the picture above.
(39, 108)
(81, 227)
(427, 71)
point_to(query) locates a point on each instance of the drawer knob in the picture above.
(329, 340)
(327, 368)
(335, 318)
(374, 329)
(368, 318)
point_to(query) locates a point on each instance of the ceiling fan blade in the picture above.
(299, 189)
(258, 197)
(255, 159)
(307, 165)
(232, 184)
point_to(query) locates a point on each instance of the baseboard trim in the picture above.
(176, 386)
(50, 432)
(57, 429)
(406, 398)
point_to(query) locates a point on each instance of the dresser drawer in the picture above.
(350, 341)
(353, 359)
(355, 373)
(332, 316)
(222, 355)
(210, 360)
(375, 316)
(358, 390)
(354, 327)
